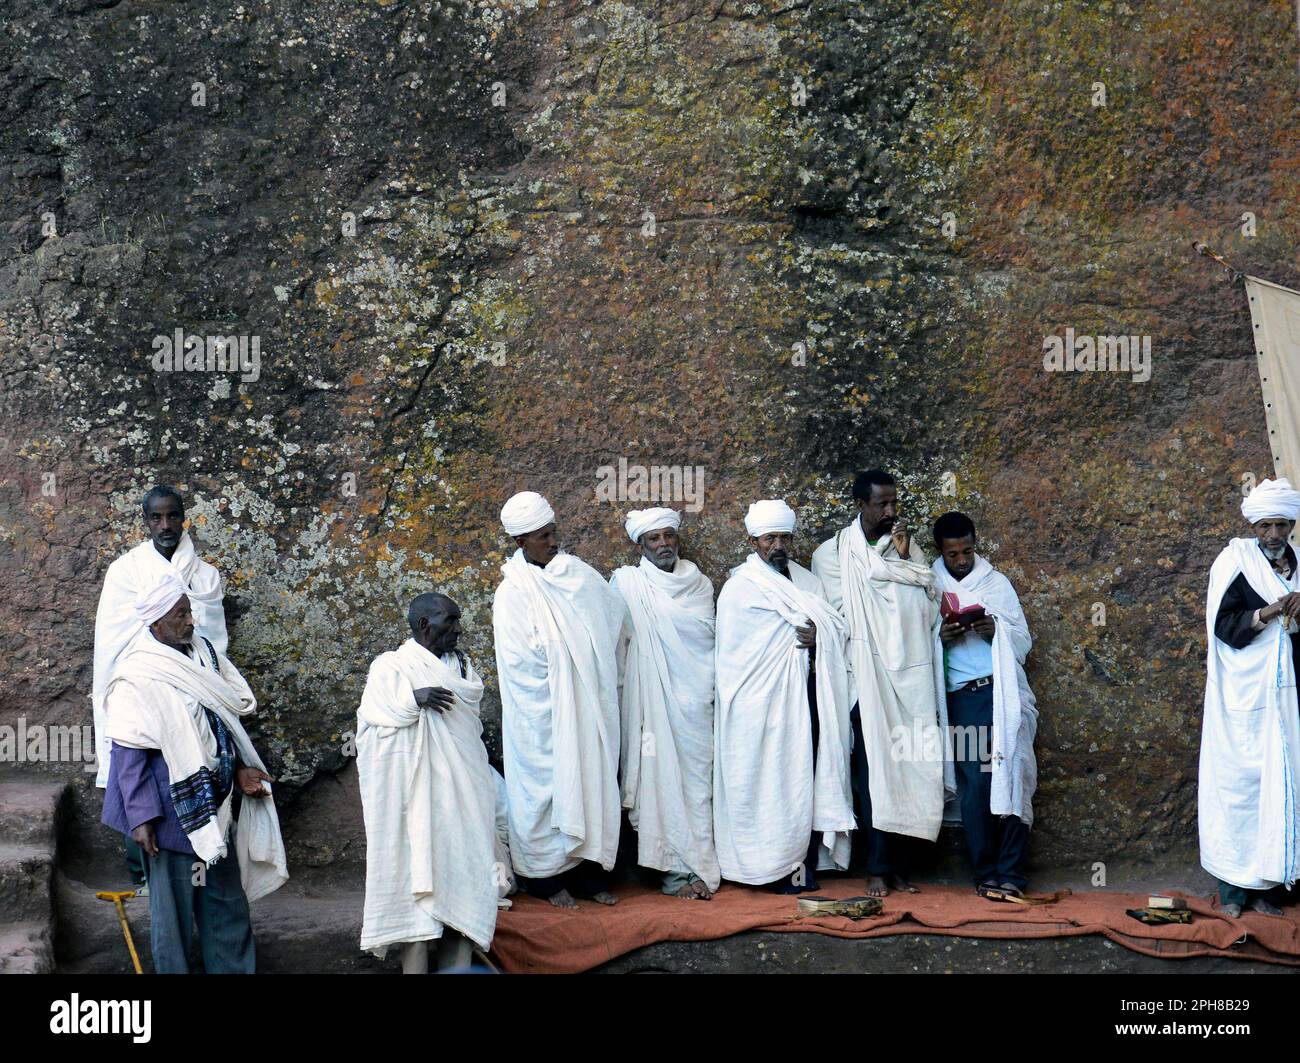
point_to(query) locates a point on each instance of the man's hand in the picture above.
(146, 838)
(439, 699)
(807, 635)
(1288, 605)
(985, 626)
(950, 633)
(249, 781)
(901, 538)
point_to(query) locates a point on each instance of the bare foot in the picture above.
(604, 897)
(1258, 904)
(901, 884)
(1232, 911)
(563, 899)
(701, 890)
(876, 886)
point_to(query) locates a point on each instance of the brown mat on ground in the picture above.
(535, 937)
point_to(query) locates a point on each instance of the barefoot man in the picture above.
(557, 624)
(667, 758)
(879, 578)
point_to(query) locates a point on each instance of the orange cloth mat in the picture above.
(535, 937)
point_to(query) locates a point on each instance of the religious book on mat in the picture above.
(1157, 900)
(953, 612)
(853, 907)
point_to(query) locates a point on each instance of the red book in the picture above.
(950, 608)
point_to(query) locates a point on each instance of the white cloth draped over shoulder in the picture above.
(767, 799)
(1250, 738)
(556, 632)
(116, 623)
(429, 802)
(155, 700)
(667, 721)
(1015, 710)
(893, 614)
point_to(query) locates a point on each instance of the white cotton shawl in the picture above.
(429, 803)
(1015, 710)
(116, 623)
(892, 611)
(155, 700)
(556, 632)
(1250, 738)
(767, 798)
(667, 721)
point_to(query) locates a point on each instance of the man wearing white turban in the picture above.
(556, 625)
(1250, 734)
(181, 762)
(880, 579)
(667, 704)
(782, 797)
(168, 549)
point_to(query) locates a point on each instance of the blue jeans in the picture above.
(219, 907)
(998, 845)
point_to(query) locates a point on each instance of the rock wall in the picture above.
(490, 246)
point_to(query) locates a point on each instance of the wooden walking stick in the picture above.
(117, 897)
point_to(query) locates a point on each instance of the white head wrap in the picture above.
(1271, 498)
(526, 512)
(640, 521)
(770, 515)
(157, 601)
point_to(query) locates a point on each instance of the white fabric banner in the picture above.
(1275, 313)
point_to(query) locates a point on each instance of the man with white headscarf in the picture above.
(983, 641)
(782, 797)
(186, 783)
(667, 703)
(1250, 735)
(428, 797)
(880, 579)
(556, 626)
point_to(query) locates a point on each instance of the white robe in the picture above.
(1015, 710)
(556, 632)
(116, 623)
(1250, 738)
(893, 614)
(667, 721)
(429, 802)
(767, 799)
(155, 700)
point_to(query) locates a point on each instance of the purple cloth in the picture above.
(139, 792)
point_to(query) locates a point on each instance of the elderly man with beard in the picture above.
(168, 548)
(667, 703)
(880, 579)
(1250, 736)
(557, 625)
(782, 800)
(181, 760)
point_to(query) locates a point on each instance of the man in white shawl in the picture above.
(556, 626)
(1250, 736)
(428, 797)
(181, 760)
(168, 549)
(991, 710)
(667, 703)
(879, 578)
(782, 796)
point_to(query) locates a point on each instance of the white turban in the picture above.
(1271, 498)
(770, 515)
(526, 512)
(157, 601)
(640, 521)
